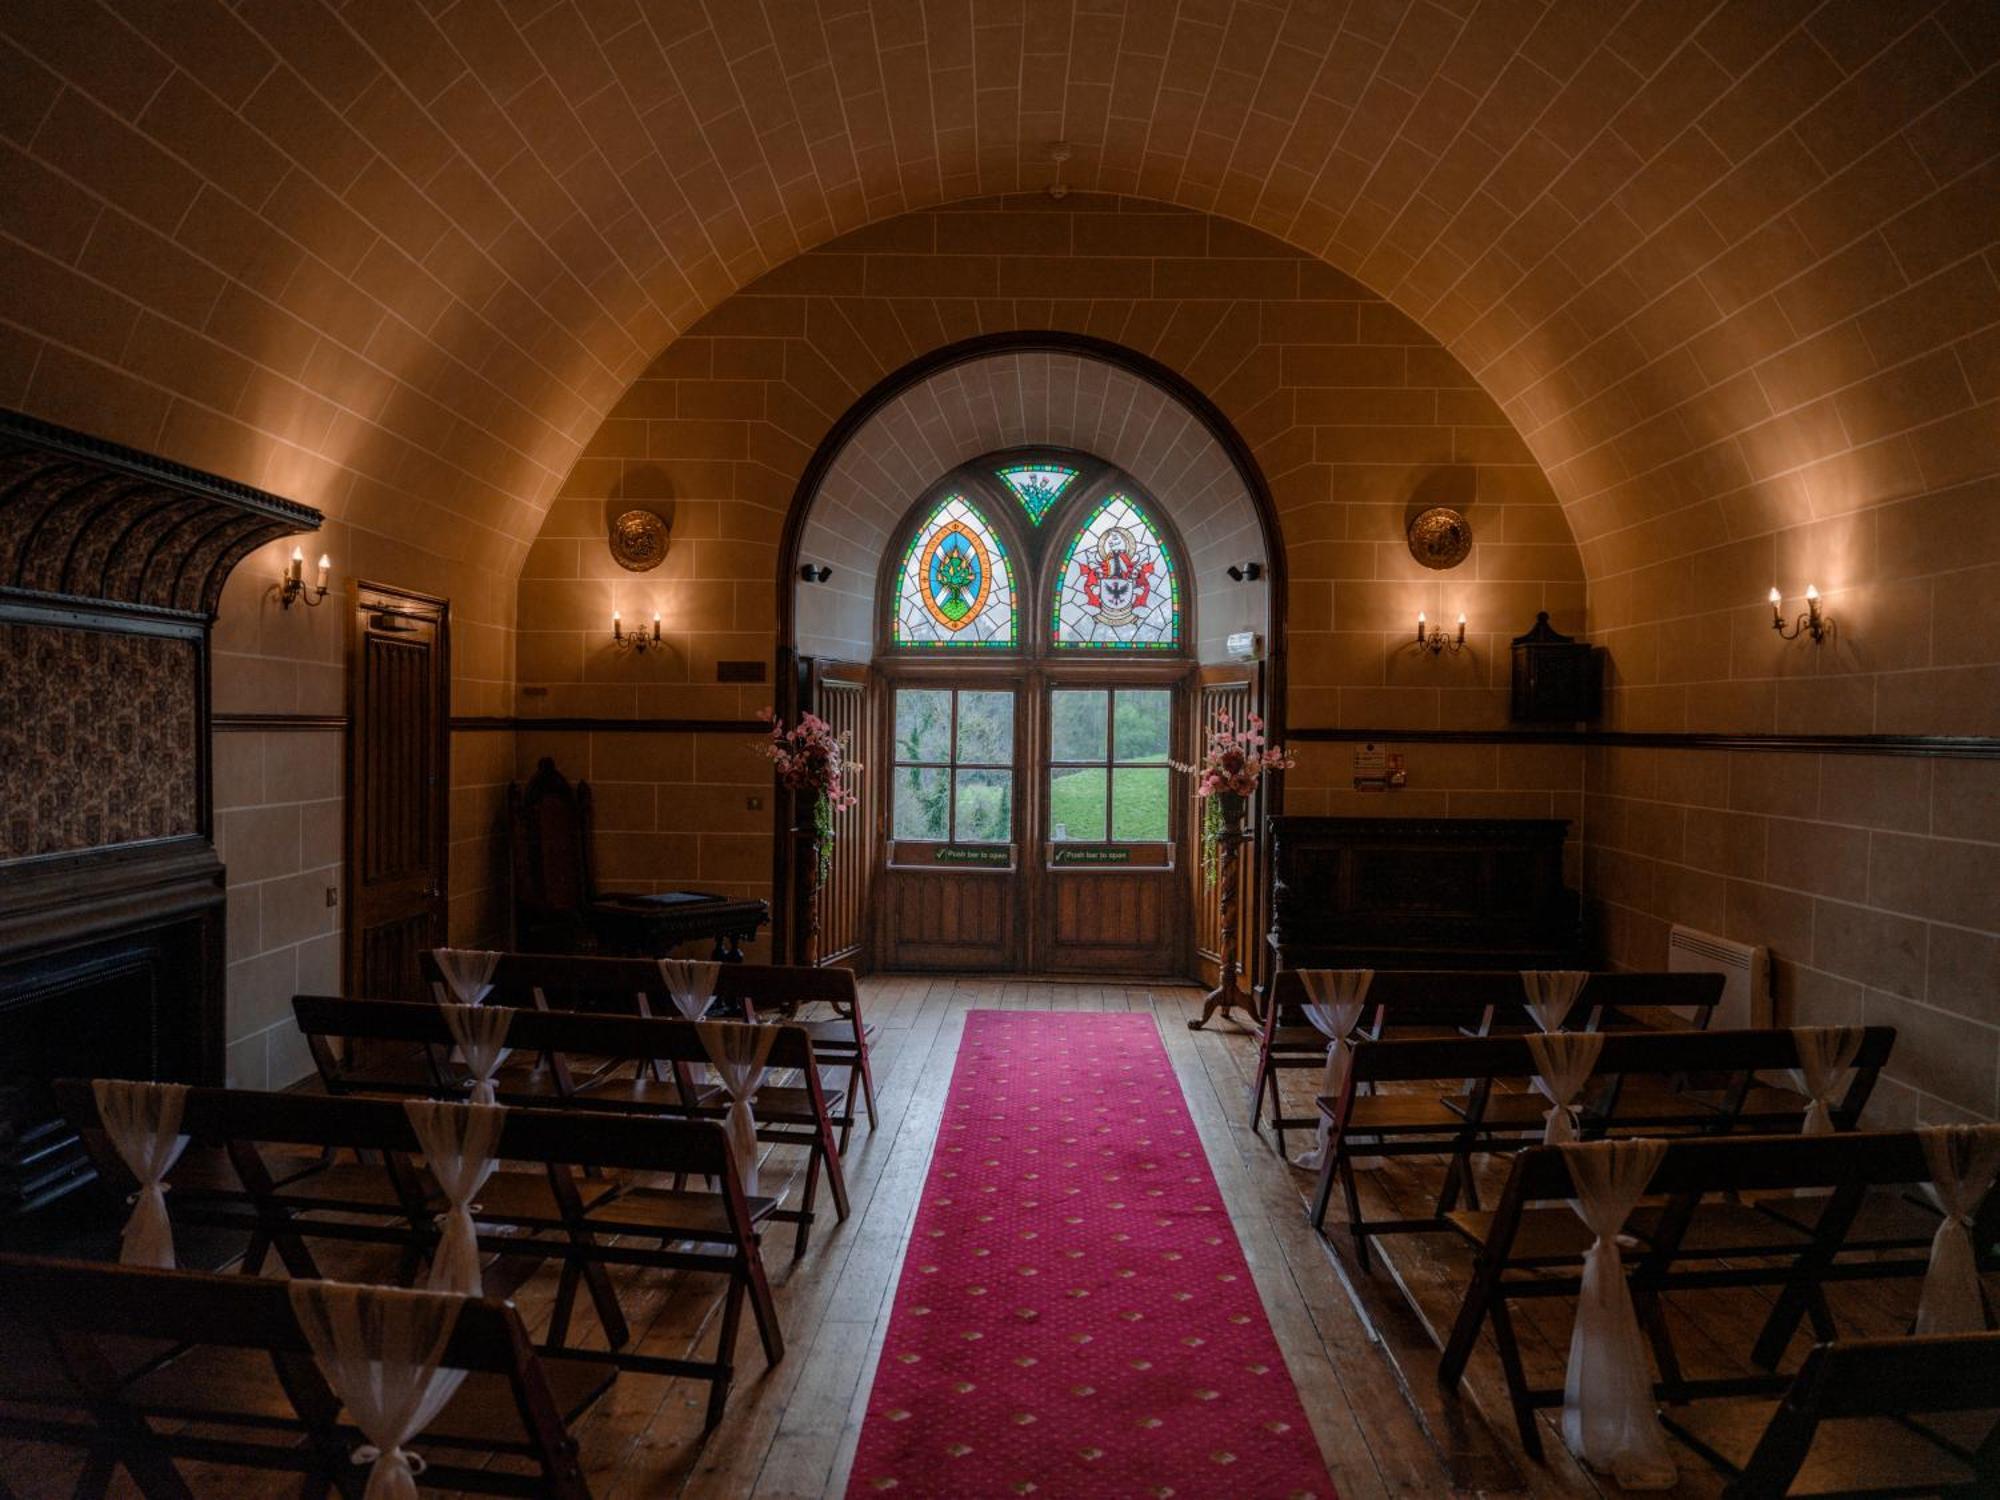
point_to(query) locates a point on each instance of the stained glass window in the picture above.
(957, 583)
(1116, 585)
(1037, 486)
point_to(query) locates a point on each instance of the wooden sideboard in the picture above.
(1422, 893)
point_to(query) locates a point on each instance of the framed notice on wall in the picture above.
(1377, 769)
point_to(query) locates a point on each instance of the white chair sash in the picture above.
(690, 985)
(1335, 1000)
(1964, 1161)
(1826, 1053)
(1552, 993)
(481, 1034)
(1563, 1064)
(458, 1142)
(144, 1122)
(737, 1052)
(468, 972)
(1609, 1417)
(379, 1348)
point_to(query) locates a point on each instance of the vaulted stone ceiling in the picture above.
(397, 258)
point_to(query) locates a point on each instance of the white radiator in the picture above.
(1746, 991)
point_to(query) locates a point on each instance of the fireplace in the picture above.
(111, 894)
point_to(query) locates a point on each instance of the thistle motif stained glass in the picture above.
(1116, 585)
(1037, 486)
(956, 587)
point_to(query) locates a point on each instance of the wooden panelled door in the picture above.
(839, 692)
(1110, 883)
(398, 792)
(951, 869)
(1238, 693)
(1029, 823)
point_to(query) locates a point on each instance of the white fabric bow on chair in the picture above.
(481, 1034)
(1609, 1417)
(144, 1121)
(1964, 1161)
(690, 985)
(379, 1348)
(1564, 1061)
(1826, 1053)
(468, 972)
(1335, 1000)
(1552, 993)
(737, 1052)
(458, 1142)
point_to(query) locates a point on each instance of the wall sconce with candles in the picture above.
(1435, 641)
(294, 586)
(1812, 623)
(638, 641)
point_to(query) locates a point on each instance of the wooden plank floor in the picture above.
(791, 1431)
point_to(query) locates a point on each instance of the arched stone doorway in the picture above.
(951, 422)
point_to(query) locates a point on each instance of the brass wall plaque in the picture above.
(639, 541)
(1441, 537)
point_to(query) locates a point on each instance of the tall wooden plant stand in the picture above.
(1228, 995)
(806, 841)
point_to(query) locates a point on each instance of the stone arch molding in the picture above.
(1012, 398)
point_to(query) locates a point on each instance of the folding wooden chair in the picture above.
(1481, 1119)
(551, 1212)
(1863, 1417)
(1700, 1239)
(787, 1115)
(146, 1370)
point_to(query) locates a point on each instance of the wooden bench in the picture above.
(554, 1211)
(1695, 1235)
(633, 986)
(1474, 1001)
(146, 1370)
(1484, 1119)
(1861, 1419)
(787, 1115)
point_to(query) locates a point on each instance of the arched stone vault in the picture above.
(1709, 256)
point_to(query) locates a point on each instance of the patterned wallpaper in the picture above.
(98, 740)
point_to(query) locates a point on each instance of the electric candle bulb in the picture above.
(325, 567)
(1776, 598)
(1812, 594)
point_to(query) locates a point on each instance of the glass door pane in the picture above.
(953, 766)
(1108, 774)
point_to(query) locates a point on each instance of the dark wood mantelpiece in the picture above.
(112, 564)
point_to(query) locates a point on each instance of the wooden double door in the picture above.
(1029, 821)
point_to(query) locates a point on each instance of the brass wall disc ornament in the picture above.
(639, 540)
(1440, 537)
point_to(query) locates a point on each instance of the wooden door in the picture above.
(1235, 692)
(399, 677)
(840, 694)
(950, 824)
(1109, 878)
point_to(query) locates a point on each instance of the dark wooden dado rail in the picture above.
(473, 724)
(1949, 747)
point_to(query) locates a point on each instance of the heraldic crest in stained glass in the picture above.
(1116, 583)
(1120, 582)
(1037, 486)
(956, 586)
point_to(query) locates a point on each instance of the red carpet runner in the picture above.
(1075, 1317)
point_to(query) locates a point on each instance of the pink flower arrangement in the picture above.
(1236, 759)
(810, 757)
